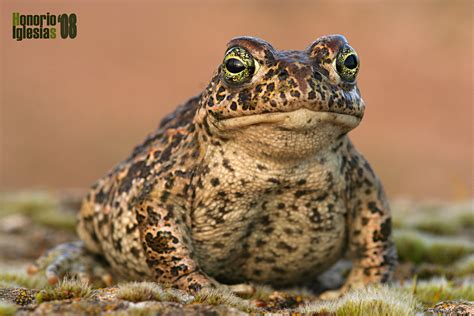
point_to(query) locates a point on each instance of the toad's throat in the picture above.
(299, 119)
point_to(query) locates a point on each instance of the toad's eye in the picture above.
(238, 66)
(347, 63)
(234, 65)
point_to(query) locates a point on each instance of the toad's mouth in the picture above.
(300, 119)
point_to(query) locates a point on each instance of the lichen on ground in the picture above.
(435, 274)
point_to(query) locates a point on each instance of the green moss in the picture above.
(149, 291)
(140, 292)
(222, 296)
(436, 290)
(437, 226)
(42, 208)
(7, 309)
(467, 219)
(376, 301)
(439, 219)
(262, 292)
(460, 269)
(423, 248)
(464, 267)
(18, 279)
(65, 289)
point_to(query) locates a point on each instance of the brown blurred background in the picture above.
(71, 109)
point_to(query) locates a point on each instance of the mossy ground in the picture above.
(435, 274)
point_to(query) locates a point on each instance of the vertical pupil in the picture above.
(234, 65)
(351, 61)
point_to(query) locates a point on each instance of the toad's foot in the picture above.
(72, 260)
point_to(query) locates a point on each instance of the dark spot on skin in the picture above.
(317, 76)
(292, 83)
(118, 244)
(207, 129)
(140, 218)
(261, 167)
(161, 243)
(283, 75)
(300, 193)
(301, 181)
(386, 228)
(175, 271)
(265, 220)
(367, 271)
(282, 95)
(260, 242)
(153, 217)
(195, 287)
(100, 197)
(373, 208)
(244, 96)
(164, 196)
(273, 180)
(151, 263)
(233, 106)
(268, 230)
(135, 252)
(226, 164)
(331, 101)
(270, 73)
(218, 245)
(210, 102)
(324, 72)
(215, 182)
(315, 216)
(285, 246)
(137, 170)
(295, 93)
(170, 214)
(311, 95)
(322, 197)
(271, 86)
(369, 169)
(281, 206)
(220, 97)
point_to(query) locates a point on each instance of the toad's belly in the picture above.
(283, 248)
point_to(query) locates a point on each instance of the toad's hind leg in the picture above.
(81, 259)
(72, 260)
(167, 244)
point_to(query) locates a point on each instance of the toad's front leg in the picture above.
(371, 247)
(168, 247)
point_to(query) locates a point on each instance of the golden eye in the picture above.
(347, 63)
(238, 65)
